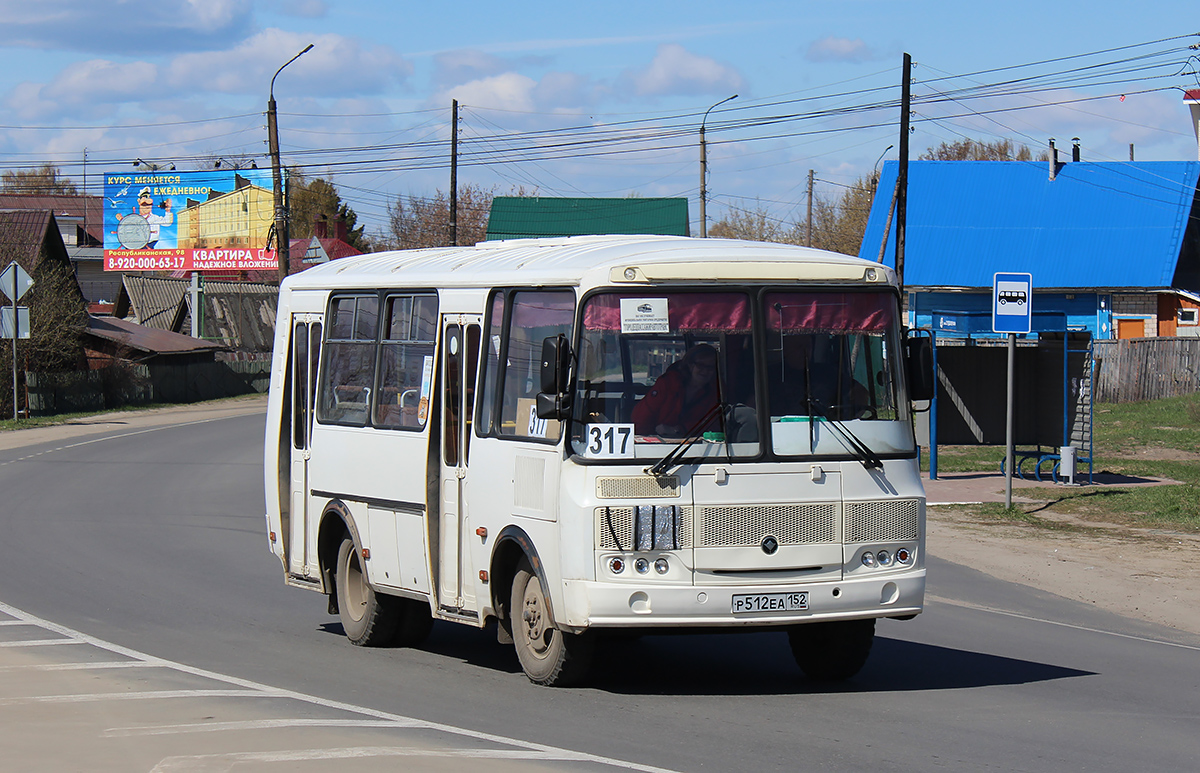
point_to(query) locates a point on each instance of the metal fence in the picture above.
(1135, 369)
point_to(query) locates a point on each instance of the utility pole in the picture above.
(808, 241)
(704, 170)
(454, 174)
(902, 174)
(282, 240)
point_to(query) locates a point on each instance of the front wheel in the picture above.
(548, 656)
(831, 652)
(368, 619)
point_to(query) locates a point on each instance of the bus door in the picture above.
(306, 354)
(459, 364)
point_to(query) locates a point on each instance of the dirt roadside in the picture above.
(1146, 574)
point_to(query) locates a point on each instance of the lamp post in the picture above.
(282, 242)
(704, 169)
(875, 171)
(153, 167)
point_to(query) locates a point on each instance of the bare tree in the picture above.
(45, 179)
(968, 149)
(425, 222)
(750, 223)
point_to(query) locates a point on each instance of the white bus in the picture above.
(568, 437)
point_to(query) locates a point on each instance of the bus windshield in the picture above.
(657, 369)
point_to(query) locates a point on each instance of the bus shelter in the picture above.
(1053, 402)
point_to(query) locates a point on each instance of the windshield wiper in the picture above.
(693, 435)
(868, 458)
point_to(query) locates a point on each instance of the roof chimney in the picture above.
(1075, 149)
(1053, 160)
(1192, 100)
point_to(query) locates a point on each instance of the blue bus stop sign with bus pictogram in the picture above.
(1012, 296)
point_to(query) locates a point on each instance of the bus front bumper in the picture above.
(592, 604)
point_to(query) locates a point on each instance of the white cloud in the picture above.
(841, 50)
(100, 80)
(336, 66)
(123, 26)
(507, 91)
(676, 71)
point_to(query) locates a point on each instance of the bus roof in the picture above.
(592, 260)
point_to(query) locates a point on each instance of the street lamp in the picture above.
(152, 166)
(875, 170)
(282, 242)
(704, 169)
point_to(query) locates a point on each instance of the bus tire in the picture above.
(548, 656)
(834, 651)
(369, 619)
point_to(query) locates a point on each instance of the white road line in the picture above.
(122, 435)
(226, 762)
(251, 724)
(39, 642)
(1030, 618)
(530, 749)
(141, 696)
(78, 666)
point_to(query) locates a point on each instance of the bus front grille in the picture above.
(747, 525)
(891, 520)
(637, 487)
(615, 528)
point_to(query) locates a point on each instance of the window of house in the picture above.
(1186, 316)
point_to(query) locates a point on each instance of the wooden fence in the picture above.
(138, 384)
(1136, 369)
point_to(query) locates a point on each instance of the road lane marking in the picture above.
(252, 724)
(525, 750)
(1018, 615)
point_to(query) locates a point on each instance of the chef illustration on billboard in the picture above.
(141, 229)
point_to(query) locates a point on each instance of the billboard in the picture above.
(210, 220)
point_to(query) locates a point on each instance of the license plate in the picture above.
(770, 602)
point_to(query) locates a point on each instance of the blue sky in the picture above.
(584, 99)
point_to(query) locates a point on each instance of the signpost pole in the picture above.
(1012, 313)
(16, 335)
(1008, 433)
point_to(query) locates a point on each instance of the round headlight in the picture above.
(616, 564)
(884, 557)
(868, 559)
(903, 556)
(641, 565)
(661, 566)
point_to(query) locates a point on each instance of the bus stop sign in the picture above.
(1011, 303)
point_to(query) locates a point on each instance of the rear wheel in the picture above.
(548, 656)
(368, 619)
(831, 652)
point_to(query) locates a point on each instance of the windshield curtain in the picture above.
(833, 356)
(657, 368)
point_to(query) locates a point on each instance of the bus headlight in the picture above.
(661, 566)
(641, 566)
(868, 559)
(616, 564)
(903, 556)
(884, 558)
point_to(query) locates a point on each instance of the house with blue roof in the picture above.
(1113, 248)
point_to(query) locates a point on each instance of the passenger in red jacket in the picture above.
(681, 396)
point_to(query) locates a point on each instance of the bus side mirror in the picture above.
(919, 360)
(554, 402)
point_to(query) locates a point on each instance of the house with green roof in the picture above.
(524, 217)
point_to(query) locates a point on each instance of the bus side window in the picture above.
(406, 361)
(349, 372)
(535, 315)
(491, 365)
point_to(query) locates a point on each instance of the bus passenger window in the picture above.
(406, 361)
(349, 372)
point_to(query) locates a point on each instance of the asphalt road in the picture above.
(147, 546)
